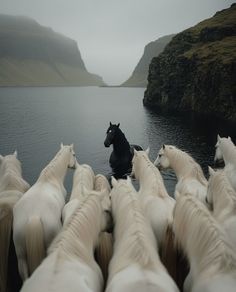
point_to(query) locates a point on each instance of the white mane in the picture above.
(78, 237)
(50, 172)
(11, 175)
(83, 180)
(183, 160)
(201, 237)
(152, 172)
(222, 189)
(134, 239)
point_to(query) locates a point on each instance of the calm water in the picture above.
(36, 120)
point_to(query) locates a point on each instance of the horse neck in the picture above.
(83, 179)
(120, 143)
(80, 235)
(184, 166)
(57, 167)
(150, 178)
(134, 238)
(179, 162)
(229, 152)
(224, 196)
(201, 237)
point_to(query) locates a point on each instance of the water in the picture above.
(36, 120)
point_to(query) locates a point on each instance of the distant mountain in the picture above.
(140, 73)
(197, 70)
(34, 55)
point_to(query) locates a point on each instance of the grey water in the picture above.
(36, 120)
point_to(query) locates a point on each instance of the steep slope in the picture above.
(197, 70)
(140, 73)
(33, 55)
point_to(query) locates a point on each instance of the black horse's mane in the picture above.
(120, 141)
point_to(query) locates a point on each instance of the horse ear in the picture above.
(218, 137)
(118, 125)
(72, 146)
(129, 180)
(164, 146)
(15, 153)
(113, 181)
(135, 152)
(229, 138)
(147, 150)
(62, 145)
(110, 124)
(211, 171)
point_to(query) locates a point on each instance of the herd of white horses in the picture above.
(69, 246)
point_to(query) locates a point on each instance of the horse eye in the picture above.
(160, 155)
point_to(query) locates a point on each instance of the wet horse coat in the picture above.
(122, 154)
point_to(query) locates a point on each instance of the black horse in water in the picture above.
(122, 154)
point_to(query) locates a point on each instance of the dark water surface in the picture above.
(36, 120)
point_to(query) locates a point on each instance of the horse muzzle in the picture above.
(106, 144)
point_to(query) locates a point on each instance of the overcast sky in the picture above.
(111, 34)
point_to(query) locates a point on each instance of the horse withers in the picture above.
(122, 154)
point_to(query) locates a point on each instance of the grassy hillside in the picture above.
(31, 55)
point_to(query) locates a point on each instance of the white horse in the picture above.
(105, 245)
(189, 173)
(158, 205)
(12, 187)
(37, 215)
(83, 181)
(70, 264)
(222, 197)
(212, 259)
(226, 150)
(135, 265)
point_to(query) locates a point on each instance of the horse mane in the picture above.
(11, 175)
(158, 178)
(122, 141)
(101, 182)
(81, 181)
(201, 236)
(81, 230)
(134, 238)
(49, 170)
(221, 185)
(196, 170)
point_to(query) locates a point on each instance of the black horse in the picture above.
(122, 154)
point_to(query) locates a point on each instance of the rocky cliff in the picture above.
(140, 73)
(197, 70)
(33, 55)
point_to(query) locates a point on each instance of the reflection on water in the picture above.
(36, 120)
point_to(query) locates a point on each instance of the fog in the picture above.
(112, 34)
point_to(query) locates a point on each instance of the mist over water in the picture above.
(36, 120)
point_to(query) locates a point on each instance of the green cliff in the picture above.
(197, 70)
(140, 73)
(33, 55)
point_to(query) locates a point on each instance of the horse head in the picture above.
(111, 133)
(72, 159)
(162, 161)
(136, 162)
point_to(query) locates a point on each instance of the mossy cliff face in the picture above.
(197, 70)
(140, 73)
